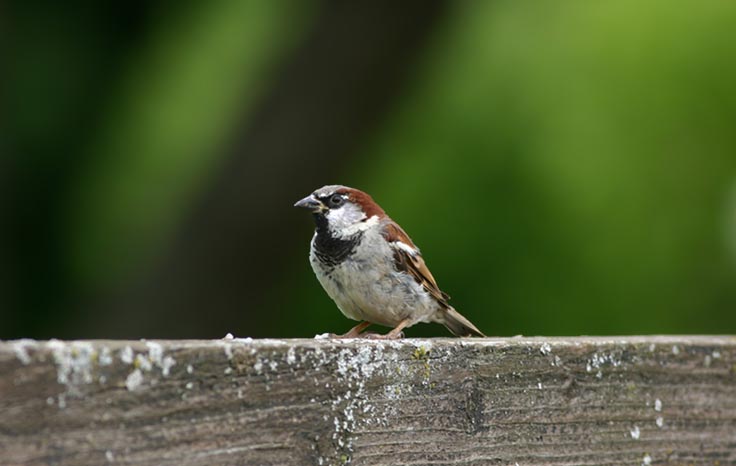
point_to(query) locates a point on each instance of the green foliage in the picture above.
(567, 167)
(178, 102)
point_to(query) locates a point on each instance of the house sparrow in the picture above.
(370, 267)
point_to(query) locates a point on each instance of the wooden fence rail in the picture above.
(526, 401)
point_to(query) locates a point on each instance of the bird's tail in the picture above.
(459, 325)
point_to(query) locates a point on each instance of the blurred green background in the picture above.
(566, 167)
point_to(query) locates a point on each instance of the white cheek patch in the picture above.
(345, 216)
(348, 220)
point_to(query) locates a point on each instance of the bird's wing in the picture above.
(408, 259)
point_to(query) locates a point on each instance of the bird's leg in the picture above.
(393, 334)
(355, 331)
(396, 333)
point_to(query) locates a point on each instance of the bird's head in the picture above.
(343, 210)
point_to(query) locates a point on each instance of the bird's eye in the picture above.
(336, 200)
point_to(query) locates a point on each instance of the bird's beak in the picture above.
(310, 203)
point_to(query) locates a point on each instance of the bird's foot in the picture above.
(394, 334)
(357, 332)
(354, 332)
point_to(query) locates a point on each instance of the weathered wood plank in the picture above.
(571, 401)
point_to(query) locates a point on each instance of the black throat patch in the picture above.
(329, 249)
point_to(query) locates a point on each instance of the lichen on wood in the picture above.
(584, 400)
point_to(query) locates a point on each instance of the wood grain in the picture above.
(572, 401)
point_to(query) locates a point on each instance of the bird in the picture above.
(371, 269)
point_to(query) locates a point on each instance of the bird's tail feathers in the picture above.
(459, 325)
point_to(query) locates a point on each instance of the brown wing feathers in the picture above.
(413, 264)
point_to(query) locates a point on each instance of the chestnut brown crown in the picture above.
(334, 196)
